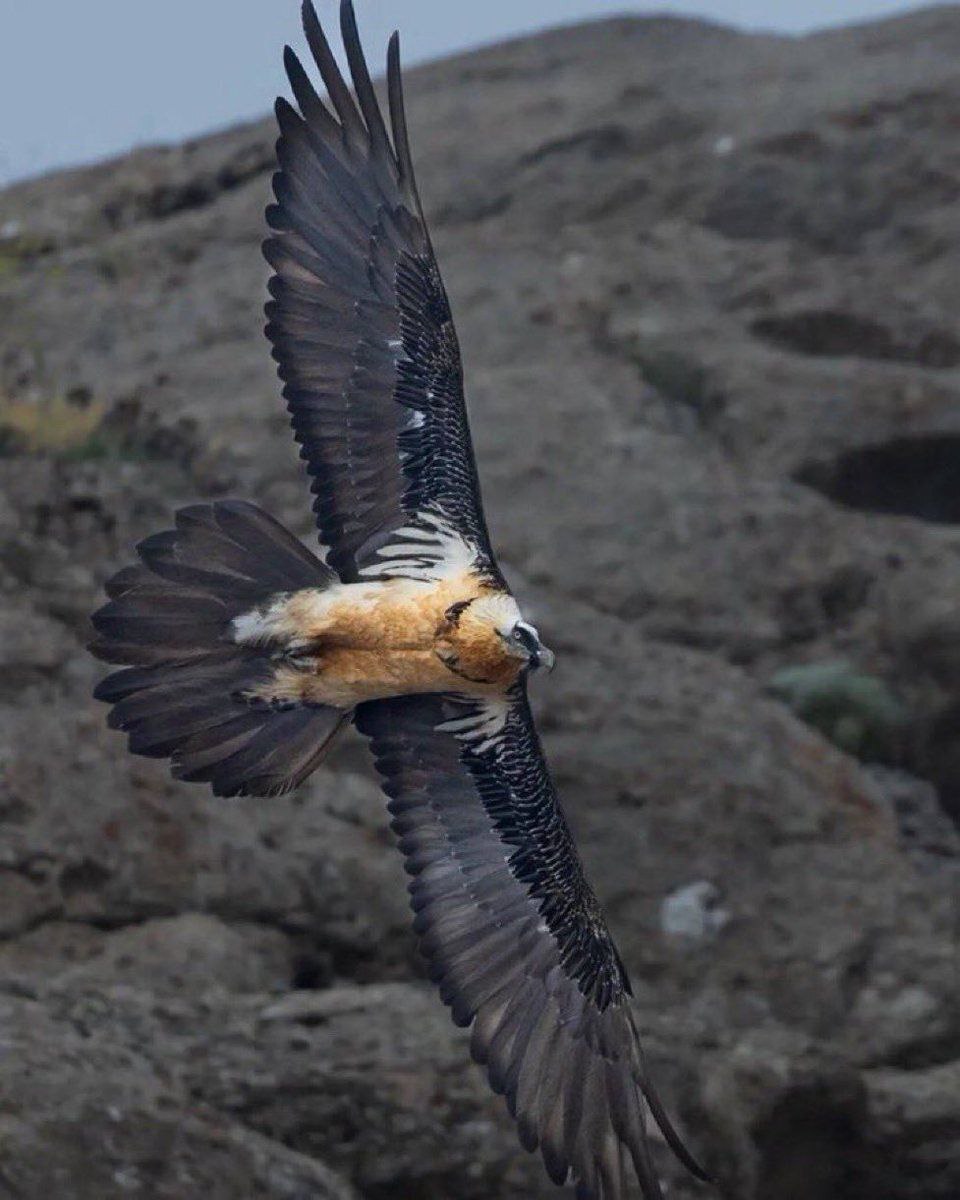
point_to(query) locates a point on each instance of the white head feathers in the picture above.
(499, 608)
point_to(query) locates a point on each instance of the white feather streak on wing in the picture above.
(429, 548)
(482, 725)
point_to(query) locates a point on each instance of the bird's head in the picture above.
(523, 641)
(487, 639)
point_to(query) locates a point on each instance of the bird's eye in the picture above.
(524, 636)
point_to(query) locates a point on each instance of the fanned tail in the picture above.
(185, 693)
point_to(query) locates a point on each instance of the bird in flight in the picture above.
(245, 654)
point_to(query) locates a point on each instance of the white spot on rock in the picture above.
(693, 911)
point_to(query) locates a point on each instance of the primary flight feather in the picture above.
(245, 653)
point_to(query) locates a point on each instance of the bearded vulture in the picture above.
(244, 653)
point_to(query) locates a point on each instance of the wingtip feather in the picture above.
(398, 120)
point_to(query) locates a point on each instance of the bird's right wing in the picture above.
(362, 331)
(514, 935)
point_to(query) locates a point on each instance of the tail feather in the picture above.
(247, 546)
(181, 621)
(166, 572)
(265, 759)
(278, 553)
(184, 693)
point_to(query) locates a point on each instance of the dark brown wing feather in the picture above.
(361, 325)
(514, 936)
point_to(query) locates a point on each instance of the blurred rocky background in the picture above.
(708, 288)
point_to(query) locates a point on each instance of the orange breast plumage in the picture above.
(355, 642)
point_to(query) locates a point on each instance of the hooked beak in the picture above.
(542, 657)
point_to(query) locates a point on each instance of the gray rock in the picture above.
(693, 911)
(86, 1117)
(193, 952)
(912, 1119)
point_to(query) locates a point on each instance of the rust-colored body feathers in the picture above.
(359, 642)
(366, 641)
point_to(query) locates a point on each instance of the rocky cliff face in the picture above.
(707, 286)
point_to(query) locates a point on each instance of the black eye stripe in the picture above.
(525, 637)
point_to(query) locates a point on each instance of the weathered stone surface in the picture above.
(707, 296)
(84, 1115)
(189, 954)
(912, 1121)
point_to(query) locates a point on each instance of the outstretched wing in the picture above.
(362, 331)
(514, 936)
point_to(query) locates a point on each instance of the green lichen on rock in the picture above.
(18, 248)
(58, 425)
(856, 711)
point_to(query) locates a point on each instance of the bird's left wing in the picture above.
(514, 936)
(362, 331)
